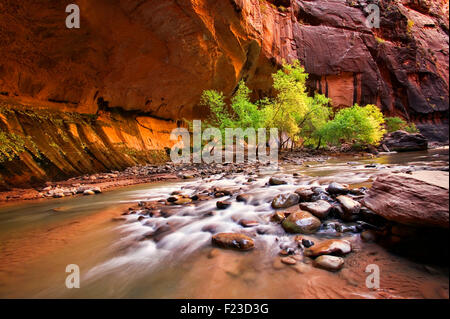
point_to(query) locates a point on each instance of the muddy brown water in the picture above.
(39, 239)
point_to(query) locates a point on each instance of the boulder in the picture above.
(331, 263)
(329, 247)
(285, 200)
(233, 241)
(301, 222)
(319, 209)
(418, 200)
(223, 204)
(401, 141)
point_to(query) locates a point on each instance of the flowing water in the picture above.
(39, 239)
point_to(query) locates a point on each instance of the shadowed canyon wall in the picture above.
(147, 62)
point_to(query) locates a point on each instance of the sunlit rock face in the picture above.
(158, 56)
(154, 58)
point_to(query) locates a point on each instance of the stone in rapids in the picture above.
(336, 188)
(350, 206)
(301, 222)
(329, 247)
(319, 209)
(305, 194)
(327, 262)
(274, 181)
(233, 241)
(223, 204)
(285, 200)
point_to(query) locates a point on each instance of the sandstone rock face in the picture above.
(154, 58)
(401, 141)
(410, 201)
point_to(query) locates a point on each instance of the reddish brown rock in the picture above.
(329, 247)
(410, 201)
(233, 241)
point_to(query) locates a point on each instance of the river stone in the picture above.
(233, 241)
(319, 209)
(329, 247)
(301, 222)
(248, 223)
(276, 181)
(305, 194)
(88, 192)
(243, 198)
(182, 201)
(278, 217)
(327, 262)
(285, 200)
(350, 207)
(223, 204)
(336, 188)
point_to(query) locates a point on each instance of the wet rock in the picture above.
(329, 247)
(223, 204)
(321, 196)
(248, 223)
(350, 207)
(301, 222)
(233, 241)
(88, 192)
(305, 194)
(274, 181)
(288, 260)
(304, 241)
(183, 201)
(278, 217)
(319, 209)
(243, 198)
(337, 189)
(401, 141)
(318, 190)
(327, 262)
(285, 200)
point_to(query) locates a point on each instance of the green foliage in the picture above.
(355, 124)
(11, 145)
(395, 123)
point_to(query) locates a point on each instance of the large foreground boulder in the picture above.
(417, 210)
(417, 200)
(401, 141)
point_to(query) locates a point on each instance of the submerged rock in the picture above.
(301, 222)
(327, 262)
(288, 260)
(319, 209)
(233, 241)
(329, 247)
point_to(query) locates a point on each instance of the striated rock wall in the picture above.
(154, 58)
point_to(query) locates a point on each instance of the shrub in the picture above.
(355, 124)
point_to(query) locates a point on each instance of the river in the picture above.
(39, 239)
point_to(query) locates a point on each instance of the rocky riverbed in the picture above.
(306, 230)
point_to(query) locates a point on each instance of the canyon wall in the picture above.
(151, 60)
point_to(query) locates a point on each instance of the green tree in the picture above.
(355, 124)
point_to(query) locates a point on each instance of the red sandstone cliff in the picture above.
(155, 57)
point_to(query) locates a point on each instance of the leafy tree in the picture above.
(395, 123)
(355, 124)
